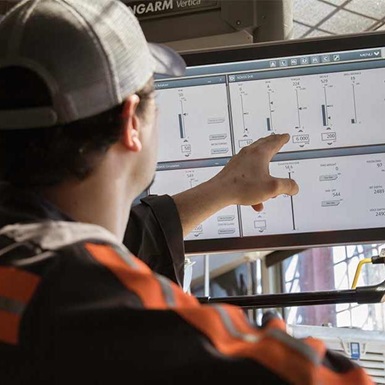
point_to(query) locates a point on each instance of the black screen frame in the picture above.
(271, 50)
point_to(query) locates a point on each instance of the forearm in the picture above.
(199, 203)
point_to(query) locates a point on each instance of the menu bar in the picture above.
(321, 59)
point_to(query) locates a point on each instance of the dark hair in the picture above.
(44, 157)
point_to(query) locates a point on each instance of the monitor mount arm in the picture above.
(360, 295)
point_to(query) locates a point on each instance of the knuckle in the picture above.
(245, 150)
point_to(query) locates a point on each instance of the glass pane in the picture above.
(334, 268)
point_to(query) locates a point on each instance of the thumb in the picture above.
(286, 186)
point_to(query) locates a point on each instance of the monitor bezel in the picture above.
(270, 50)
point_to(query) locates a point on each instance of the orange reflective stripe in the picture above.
(18, 286)
(208, 320)
(317, 345)
(276, 323)
(182, 299)
(139, 279)
(285, 362)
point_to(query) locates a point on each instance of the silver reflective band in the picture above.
(27, 118)
(11, 305)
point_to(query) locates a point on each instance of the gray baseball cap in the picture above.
(92, 54)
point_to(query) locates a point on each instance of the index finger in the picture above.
(286, 186)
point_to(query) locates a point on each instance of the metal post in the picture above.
(206, 275)
(275, 20)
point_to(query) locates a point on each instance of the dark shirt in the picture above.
(154, 234)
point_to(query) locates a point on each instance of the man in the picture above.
(78, 143)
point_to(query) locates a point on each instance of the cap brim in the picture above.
(168, 61)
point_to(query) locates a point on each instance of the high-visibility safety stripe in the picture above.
(299, 362)
(154, 291)
(16, 290)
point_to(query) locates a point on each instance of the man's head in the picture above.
(67, 69)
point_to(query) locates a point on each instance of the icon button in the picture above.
(283, 63)
(273, 64)
(336, 57)
(326, 59)
(315, 60)
(304, 60)
(293, 62)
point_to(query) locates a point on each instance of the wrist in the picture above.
(217, 191)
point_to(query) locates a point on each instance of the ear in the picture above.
(131, 122)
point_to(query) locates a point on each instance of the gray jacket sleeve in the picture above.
(154, 234)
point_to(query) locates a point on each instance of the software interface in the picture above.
(333, 106)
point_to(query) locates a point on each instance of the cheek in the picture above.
(151, 134)
(156, 144)
(156, 128)
(153, 141)
(155, 133)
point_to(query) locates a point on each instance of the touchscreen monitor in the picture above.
(327, 93)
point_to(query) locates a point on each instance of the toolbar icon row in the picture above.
(305, 60)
